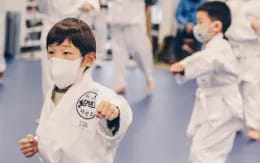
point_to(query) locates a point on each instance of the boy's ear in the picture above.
(218, 26)
(89, 59)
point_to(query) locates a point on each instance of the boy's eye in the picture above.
(67, 53)
(50, 52)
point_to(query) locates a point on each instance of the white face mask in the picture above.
(202, 34)
(64, 72)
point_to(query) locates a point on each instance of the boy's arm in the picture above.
(194, 66)
(115, 129)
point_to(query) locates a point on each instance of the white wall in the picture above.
(15, 5)
(2, 6)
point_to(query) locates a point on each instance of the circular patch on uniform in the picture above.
(86, 105)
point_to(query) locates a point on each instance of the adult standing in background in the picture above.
(167, 30)
(129, 36)
(148, 14)
(99, 22)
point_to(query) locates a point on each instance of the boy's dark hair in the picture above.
(217, 11)
(76, 31)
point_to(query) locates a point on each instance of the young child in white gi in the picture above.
(244, 37)
(81, 120)
(217, 114)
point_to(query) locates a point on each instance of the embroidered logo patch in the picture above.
(86, 105)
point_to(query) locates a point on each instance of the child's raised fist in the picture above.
(177, 68)
(108, 111)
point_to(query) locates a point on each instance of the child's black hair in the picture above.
(76, 31)
(217, 11)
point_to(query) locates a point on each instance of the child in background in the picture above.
(244, 37)
(218, 106)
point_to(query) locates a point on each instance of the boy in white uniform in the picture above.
(81, 120)
(244, 36)
(217, 111)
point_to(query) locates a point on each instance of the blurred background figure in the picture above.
(98, 21)
(101, 32)
(2, 44)
(244, 36)
(148, 14)
(129, 37)
(167, 31)
(185, 43)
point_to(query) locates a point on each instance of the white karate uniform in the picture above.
(57, 10)
(129, 37)
(2, 42)
(246, 45)
(69, 132)
(218, 106)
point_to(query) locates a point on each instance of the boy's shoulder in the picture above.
(220, 50)
(219, 45)
(218, 42)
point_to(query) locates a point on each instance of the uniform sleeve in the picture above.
(125, 120)
(198, 64)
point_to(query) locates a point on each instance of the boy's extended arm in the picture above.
(195, 65)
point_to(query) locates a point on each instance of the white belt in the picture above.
(204, 93)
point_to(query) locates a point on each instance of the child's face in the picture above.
(66, 50)
(204, 21)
